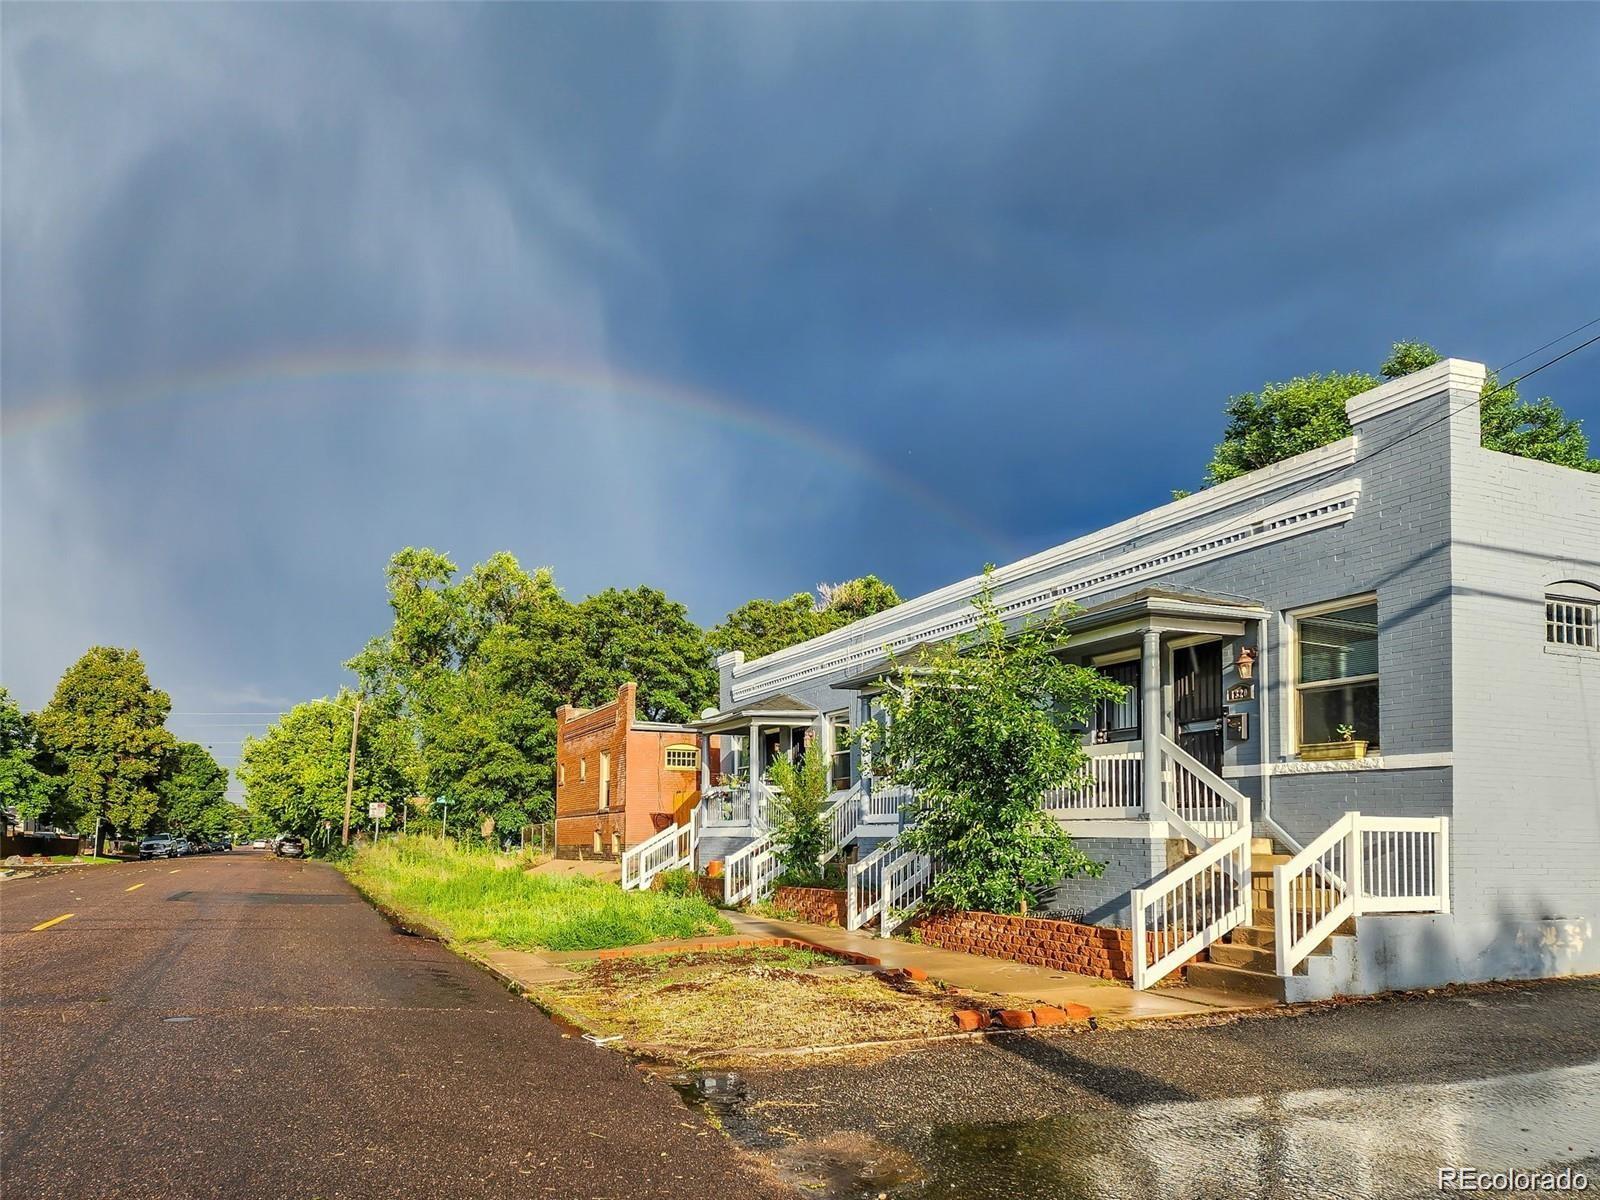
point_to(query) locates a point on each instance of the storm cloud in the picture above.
(729, 300)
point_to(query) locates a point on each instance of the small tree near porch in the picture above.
(980, 728)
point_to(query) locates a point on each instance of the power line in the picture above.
(1550, 343)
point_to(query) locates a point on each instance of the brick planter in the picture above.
(819, 906)
(1098, 950)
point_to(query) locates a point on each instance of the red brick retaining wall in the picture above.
(1099, 950)
(820, 906)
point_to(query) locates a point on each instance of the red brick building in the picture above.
(619, 779)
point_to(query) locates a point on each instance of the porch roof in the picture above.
(781, 709)
(1118, 619)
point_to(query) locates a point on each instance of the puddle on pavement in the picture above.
(1384, 1141)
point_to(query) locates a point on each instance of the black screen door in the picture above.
(1197, 701)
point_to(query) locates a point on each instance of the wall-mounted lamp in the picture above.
(1245, 664)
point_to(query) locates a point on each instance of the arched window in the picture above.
(1572, 615)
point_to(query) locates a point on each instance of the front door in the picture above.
(1197, 701)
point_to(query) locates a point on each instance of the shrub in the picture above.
(799, 831)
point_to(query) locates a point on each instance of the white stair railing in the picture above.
(665, 850)
(906, 879)
(1190, 907)
(1200, 803)
(842, 819)
(864, 886)
(1359, 864)
(885, 885)
(744, 870)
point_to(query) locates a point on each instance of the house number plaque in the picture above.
(1240, 692)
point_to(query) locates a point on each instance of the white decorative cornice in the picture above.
(1075, 581)
(1450, 374)
(1286, 474)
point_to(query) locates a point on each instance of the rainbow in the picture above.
(575, 385)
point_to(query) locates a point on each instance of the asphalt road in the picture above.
(238, 1026)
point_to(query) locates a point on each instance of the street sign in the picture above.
(377, 810)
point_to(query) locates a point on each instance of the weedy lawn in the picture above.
(482, 896)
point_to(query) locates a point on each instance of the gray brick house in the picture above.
(1402, 588)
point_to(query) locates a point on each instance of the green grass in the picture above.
(84, 860)
(479, 896)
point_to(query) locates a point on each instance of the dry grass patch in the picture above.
(719, 1004)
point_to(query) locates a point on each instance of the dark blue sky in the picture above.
(728, 300)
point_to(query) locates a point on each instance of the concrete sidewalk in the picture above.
(1108, 1001)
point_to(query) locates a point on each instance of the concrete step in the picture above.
(1253, 958)
(1261, 934)
(1239, 980)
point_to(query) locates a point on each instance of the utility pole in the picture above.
(350, 775)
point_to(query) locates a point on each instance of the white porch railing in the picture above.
(740, 807)
(1360, 864)
(884, 802)
(1114, 790)
(1190, 907)
(665, 850)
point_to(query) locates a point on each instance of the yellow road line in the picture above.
(174, 871)
(134, 888)
(50, 922)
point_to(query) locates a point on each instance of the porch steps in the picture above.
(1245, 963)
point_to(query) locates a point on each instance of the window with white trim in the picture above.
(1336, 672)
(839, 750)
(1572, 615)
(683, 758)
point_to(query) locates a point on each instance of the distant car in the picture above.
(180, 847)
(290, 846)
(259, 844)
(159, 846)
(225, 842)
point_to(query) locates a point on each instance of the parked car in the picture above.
(157, 846)
(180, 847)
(259, 844)
(290, 846)
(225, 842)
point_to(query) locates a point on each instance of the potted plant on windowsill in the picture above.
(1348, 746)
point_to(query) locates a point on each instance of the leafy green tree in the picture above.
(294, 774)
(985, 725)
(1285, 419)
(24, 788)
(1537, 429)
(105, 729)
(193, 792)
(1282, 420)
(847, 602)
(642, 635)
(762, 627)
(799, 830)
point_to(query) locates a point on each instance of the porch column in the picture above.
(1150, 723)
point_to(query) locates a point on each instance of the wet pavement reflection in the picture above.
(1380, 1141)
